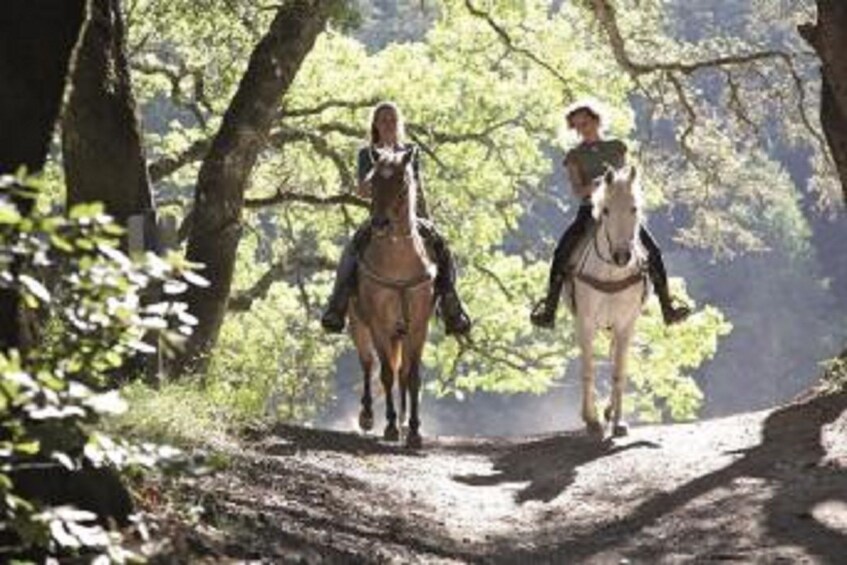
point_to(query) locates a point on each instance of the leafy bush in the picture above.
(835, 374)
(93, 310)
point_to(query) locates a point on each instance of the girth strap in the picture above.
(397, 284)
(611, 287)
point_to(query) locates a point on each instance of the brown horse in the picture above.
(394, 300)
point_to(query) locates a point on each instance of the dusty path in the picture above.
(763, 487)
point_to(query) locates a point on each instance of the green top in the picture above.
(594, 159)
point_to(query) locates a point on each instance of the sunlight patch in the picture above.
(832, 514)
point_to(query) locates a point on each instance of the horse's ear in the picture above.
(633, 174)
(609, 177)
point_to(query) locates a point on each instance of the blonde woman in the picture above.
(587, 161)
(387, 132)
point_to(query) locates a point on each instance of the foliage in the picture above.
(95, 315)
(488, 119)
(721, 135)
(835, 374)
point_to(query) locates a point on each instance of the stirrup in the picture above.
(456, 320)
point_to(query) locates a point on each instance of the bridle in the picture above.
(601, 285)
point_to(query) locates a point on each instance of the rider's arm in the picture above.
(364, 164)
(581, 187)
(422, 210)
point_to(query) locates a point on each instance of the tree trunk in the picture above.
(219, 196)
(104, 158)
(37, 38)
(828, 37)
(101, 139)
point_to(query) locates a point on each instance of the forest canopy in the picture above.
(241, 122)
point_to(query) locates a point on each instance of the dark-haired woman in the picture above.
(586, 162)
(387, 132)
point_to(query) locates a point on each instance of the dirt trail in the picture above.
(763, 487)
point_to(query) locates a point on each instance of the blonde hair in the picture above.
(401, 126)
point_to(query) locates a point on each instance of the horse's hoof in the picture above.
(391, 433)
(366, 421)
(620, 430)
(414, 441)
(595, 429)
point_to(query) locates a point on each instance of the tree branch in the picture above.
(607, 18)
(510, 45)
(242, 301)
(284, 196)
(328, 104)
(176, 75)
(168, 165)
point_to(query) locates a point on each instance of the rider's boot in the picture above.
(658, 276)
(544, 312)
(451, 310)
(333, 318)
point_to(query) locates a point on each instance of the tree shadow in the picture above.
(549, 464)
(791, 445)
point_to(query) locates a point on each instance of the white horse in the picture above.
(609, 288)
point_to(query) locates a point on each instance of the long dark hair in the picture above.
(401, 127)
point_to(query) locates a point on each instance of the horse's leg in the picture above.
(403, 385)
(389, 364)
(413, 438)
(585, 336)
(367, 357)
(416, 344)
(623, 339)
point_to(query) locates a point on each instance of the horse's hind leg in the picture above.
(614, 412)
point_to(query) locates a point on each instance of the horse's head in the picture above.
(393, 190)
(617, 208)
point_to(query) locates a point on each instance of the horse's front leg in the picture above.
(366, 414)
(367, 358)
(614, 413)
(413, 438)
(389, 361)
(403, 385)
(585, 337)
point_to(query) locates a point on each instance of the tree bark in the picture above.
(828, 37)
(104, 158)
(219, 195)
(37, 39)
